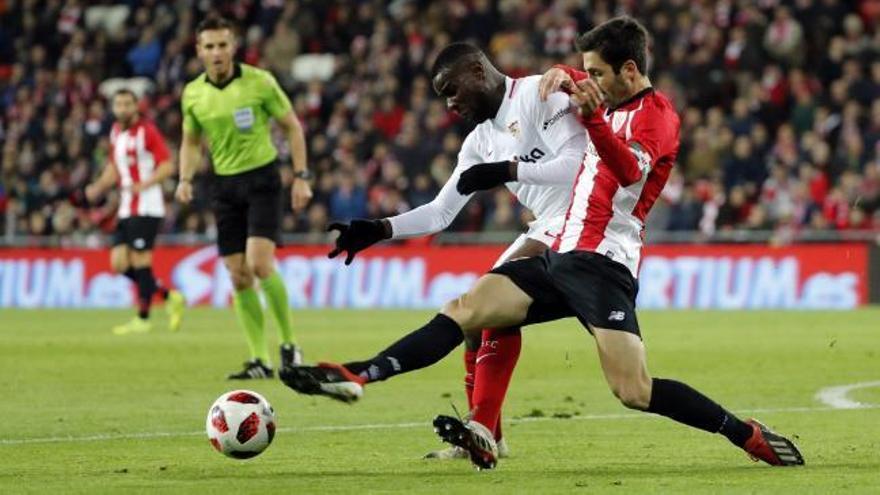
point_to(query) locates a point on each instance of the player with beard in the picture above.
(138, 163)
(590, 272)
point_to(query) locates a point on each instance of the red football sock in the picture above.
(494, 367)
(470, 363)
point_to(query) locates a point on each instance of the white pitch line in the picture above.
(836, 397)
(385, 426)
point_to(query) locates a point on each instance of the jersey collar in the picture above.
(504, 109)
(631, 99)
(236, 73)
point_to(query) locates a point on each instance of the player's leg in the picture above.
(265, 199)
(120, 263)
(139, 234)
(602, 292)
(499, 352)
(622, 355)
(249, 311)
(230, 210)
(493, 301)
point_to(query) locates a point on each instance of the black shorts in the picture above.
(138, 233)
(247, 205)
(598, 291)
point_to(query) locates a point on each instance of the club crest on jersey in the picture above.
(513, 128)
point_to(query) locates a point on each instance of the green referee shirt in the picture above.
(234, 117)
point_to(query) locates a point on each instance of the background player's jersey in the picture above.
(543, 136)
(606, 216)
(136, 152)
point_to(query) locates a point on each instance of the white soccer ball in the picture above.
(240, 424)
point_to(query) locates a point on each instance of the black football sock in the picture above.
(129, 274)
(146, 285)
(677, 401)
(419, 349)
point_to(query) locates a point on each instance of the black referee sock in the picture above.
(146, 285)
(129, 274)
(677, 401)
(419, 349)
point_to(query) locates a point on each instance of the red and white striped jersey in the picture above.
(629, 157)
(136, 152)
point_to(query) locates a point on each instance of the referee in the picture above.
(230, 105)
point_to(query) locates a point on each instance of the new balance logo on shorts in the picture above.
(616, 316)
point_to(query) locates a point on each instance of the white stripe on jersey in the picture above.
(135, 164)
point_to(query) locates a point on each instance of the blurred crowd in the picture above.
(780, 103)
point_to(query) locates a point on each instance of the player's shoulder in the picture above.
(194, 86)
(149, 126)
(528, 94)
(656, 107)
(525, 89)
(251, 72)
(661, 103)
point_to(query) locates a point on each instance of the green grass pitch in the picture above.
(84, 411)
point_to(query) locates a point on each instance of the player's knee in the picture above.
(118, 266)
(633, 395)
(260, 268)
(241, 279)
(462, 312)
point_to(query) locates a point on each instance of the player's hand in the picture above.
(136, 188)
(300, 194)
(587, 95)
(93, 193)
(184, 192)
(483, 176)
(552, 81)
(357, 236)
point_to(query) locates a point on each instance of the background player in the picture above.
(230, 105)
(531, 139)
(590, 272)
(139, 161)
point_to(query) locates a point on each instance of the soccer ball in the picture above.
(240, 424)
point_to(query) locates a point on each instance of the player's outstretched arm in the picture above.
(430, 218)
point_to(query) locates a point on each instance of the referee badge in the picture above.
(244, 118)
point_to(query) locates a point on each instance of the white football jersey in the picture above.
(531, 132)
(543, 136)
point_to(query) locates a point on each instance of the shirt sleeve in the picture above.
(441, 211)
(275, 100)
(652, 132)
(155, 143)
(559, 171)
(190, 122)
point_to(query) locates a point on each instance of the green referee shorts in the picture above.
(247, 205)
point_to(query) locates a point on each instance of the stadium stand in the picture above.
(780, 104)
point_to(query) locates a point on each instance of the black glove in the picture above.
(484, 176)
(357, 236)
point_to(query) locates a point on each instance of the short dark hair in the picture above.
(125, 91)
(451, 54)
(213, 22)
(618, 40)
